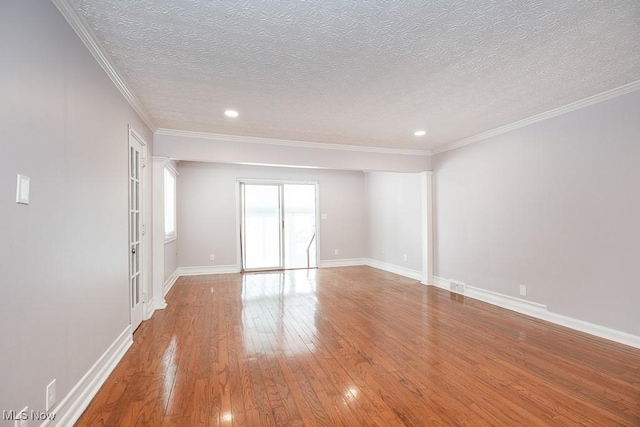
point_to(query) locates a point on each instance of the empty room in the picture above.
(320, 213)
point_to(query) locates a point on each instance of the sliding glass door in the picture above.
(278, 226)
(262, 227)
(299, 226)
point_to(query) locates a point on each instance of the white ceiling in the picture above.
(364, 72)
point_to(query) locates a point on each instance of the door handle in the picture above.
(133, 250)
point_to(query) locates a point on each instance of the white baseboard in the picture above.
(392, 268)
(540, 311)
(150, 307)
(439, 282)
(168, 284)
(76, 401)
(346, 262)
(396, 269)
(208, 269)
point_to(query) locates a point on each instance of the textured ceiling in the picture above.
(364, 72)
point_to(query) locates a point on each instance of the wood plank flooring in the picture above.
(355, 347)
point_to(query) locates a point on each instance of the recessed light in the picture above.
(420, 133)
(231, 113)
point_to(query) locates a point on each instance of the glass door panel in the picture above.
(262, 227)
(300, 226)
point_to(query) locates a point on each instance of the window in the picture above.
(169, 205)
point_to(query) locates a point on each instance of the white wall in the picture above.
(170, 258)
(394, 206)
(64, 257)
(207, 210)
(554, 206)
(195, 147)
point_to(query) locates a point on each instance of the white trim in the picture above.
(168, 284)
(255, 181)
(604, 96)
(540, 311)
(289, 143)
(396, 269)
(427, 226)
(76, 401)
(150, 308)
(346, 262)
(239, 202)
(208, 269)
(167, 163)
(439, 282)
(157, 230)
(80, 26)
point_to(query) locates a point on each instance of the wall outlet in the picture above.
(22, 191)
(22, 418)
(523, 290)
(405, 258)
(212, 257)
(51, 395)
(457, 287)
(324, 216)
(335, 252)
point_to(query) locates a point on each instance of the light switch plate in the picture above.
(22, 190)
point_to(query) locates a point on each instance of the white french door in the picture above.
(278, 225)
(135, 232)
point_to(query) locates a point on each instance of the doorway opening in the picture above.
(278, 225)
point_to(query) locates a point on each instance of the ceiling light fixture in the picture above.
(231, 113)
(420, 133)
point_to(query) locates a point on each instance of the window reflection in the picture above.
(278, 313)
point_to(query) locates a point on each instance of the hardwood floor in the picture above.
(357, 346)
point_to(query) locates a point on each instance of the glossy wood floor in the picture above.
(355, 347)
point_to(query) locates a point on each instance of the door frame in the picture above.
(145, 241)
(239, 215)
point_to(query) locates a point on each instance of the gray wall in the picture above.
(64, 257)
(170, 258)
(394, 206)
(554, 206)
(207, 210)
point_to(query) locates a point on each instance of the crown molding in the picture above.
(166, 162)
(79, 25)
(604, 96)
(289, 143)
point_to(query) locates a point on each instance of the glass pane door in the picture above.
(300, 226)
(262, 227)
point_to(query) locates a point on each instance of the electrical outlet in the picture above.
(523, 290)
(51, 394)
(324, 216)
(22, 418)
(405, 258)
(212, 257)
(457, 287)
(335, 252)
